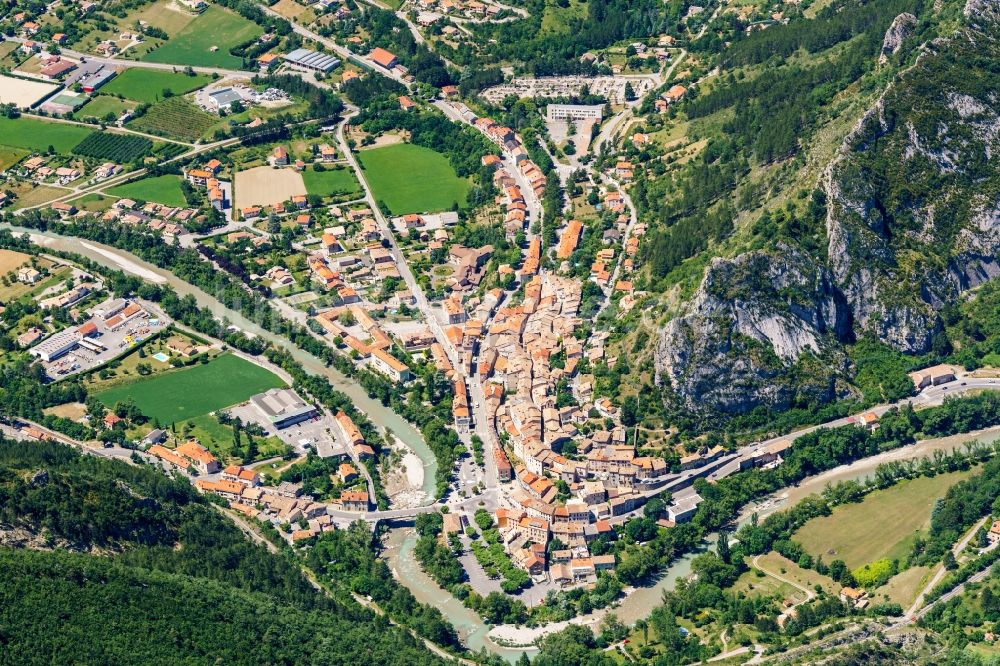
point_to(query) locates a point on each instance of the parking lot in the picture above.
(316, 434)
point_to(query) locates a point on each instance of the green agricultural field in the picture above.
(102, 105)
(148, 85)
(883, 525)
(11, 156)
(217, 28)
(164, 190)
(331, 182)
(93, 202)
(190, 392)
(175, 118)
(39, 134)
(413, 179)
(118, 148)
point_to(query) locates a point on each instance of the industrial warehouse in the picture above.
(313, 60)
(283, 408)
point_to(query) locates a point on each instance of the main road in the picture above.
(345, 53)
(142, 64)
(931, 396)
(426, 309)
(480, 418)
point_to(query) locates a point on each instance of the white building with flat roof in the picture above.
(57, 345)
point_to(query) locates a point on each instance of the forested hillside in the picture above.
(159, 576)
(859, 269)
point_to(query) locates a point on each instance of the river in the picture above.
(639, 602)
(129, 263)
(475, 634)
(399, 543)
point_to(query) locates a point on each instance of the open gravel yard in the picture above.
(21, 93)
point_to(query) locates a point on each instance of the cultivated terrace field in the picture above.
(189, 392)
(409, 178)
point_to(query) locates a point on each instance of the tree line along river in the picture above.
(401, 541)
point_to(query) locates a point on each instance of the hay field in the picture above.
(883, 525)
(266, 186)
(11, 261)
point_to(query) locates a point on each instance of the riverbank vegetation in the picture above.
(348, 558)
(188, 265)
(438, 557)
(186, 311)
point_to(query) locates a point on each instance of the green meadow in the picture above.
(191, 392)
(206, 41)
(39, 134)
(413, 179)
(164, 190)
(148, 85)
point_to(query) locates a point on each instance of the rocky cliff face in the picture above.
(755, 317)
(897, 33)
(913, 219)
